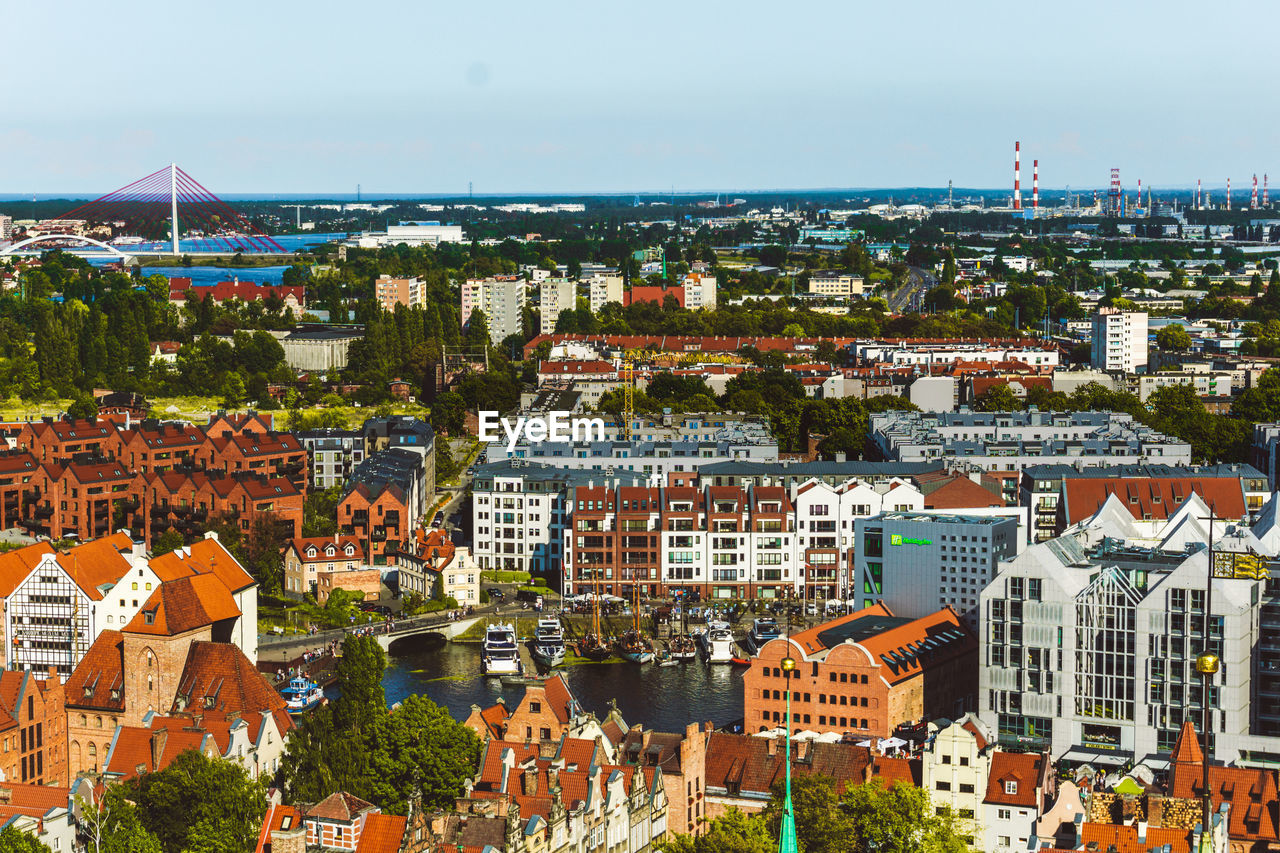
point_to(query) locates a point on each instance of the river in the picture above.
(661, 698)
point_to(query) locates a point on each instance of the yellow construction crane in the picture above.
(629, 358)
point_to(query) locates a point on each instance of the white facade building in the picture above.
(501, 298)
(555, 295)
(699, 291)
(604, 289)
(1119, 340)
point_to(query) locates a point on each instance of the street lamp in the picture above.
(787, 830)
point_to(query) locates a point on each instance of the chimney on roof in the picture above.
(531, 780)
(802, 750)
(158, 740)
(772, 746)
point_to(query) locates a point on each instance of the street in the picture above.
(910, 297)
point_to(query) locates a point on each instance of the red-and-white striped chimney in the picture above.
(1017, 176)
(1253, 197)
(1035, 184)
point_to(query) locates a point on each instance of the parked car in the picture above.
(494, 592)
(438, 520)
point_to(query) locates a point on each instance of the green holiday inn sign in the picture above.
(899, 539)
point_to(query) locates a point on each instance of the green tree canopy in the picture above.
(200, 801)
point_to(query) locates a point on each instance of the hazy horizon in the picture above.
(577, 97)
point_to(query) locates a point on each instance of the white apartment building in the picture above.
(905, 353)
(699, 291)
(1206, 383)
(1119, 340)
(518, 513)
(555, 295)
(836, 284)
(501, 298)
(604, 289)
(6, 227)
(1089, 642)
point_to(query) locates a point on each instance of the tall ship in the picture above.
(548, 642)
(682, 646)
(762, 631)
(633, 645)
(499, 653)
(593, 645)
(717, 642)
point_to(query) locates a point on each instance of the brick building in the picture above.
(187, 501)
(365, 584)
(336, 823)
(378, 517)
(683, 760)
(33, 730)
(865, 674)
(17, 468)
(52, 439)
(83, 499)
(155, 446)
(546, 713)
(271, 454)
(305, 559)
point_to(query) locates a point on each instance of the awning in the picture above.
(1111, 759)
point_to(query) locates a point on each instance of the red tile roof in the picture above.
(16, 565)
(747, 763)
(893, 769)
(218, 677)
(577, 368)
(184, 604)
(1154, 498)
(1022, 770)
(1124, 839)
(203, 557)
(1252, 793)
(274, 820)
(32, 800)
(339, 806)
(382, 833)
(961, 493)
(99, 673)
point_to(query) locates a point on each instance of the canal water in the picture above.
(661, 698)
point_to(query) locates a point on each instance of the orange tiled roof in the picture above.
(912, 633)
(746, 762)
(1156, 498)
(275, 819)
(1252, 793)
(203, 557)
(17, 564)
(382, 833)
(184, 604)
(218, 677)
(339, 806)
(33, 800)
(1124, 839)
(1020, 768)
(134, 747)
(960, 493)
(893, 769)
(99, 673)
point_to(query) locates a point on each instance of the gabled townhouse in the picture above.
(306, 558)
(82, 498)
(1018, 789)
(378, 517)
(254, 741)
(48, 813)
(187, 501)
(546, 713)
(50, 439)
(683, 760)
(239, 423)
(155, 446)
(573, 799)
(17, 469)
(955, 768)
(339, 822)
(276, 454)
(33, 729)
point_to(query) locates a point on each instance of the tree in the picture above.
(898, 819)
(170, 540)
(83, 406)
(998, 398)
(419, 745)
(733, 832)
(360, 675)
(320, 512)
(112, 826)
(821, 824)
(13, 841)
(1173, 338)
(200, 803)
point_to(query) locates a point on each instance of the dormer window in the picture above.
(311, 552)
(1010, 787)
(328, 552)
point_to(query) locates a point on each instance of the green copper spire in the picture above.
(787, 829)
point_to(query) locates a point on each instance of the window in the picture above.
(966, 788)
(1004, 814)
(1010, 787)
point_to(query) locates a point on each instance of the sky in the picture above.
(583, 97)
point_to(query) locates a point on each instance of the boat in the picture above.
(663, 658)
(635, 647)
(548, 642)
(594, 647)
(500, 655)
(682, 647)
(301, 695)
(762, 631)
(717, 643)
(740, 661)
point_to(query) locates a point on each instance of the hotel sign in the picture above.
(899, 539)
(1233, 564)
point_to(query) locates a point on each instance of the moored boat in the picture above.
(682, 647)
(717, 643)
(762, 631)
(301, 695)
(594, 647)
(548, 642)
(500, 656)
(635, 647)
